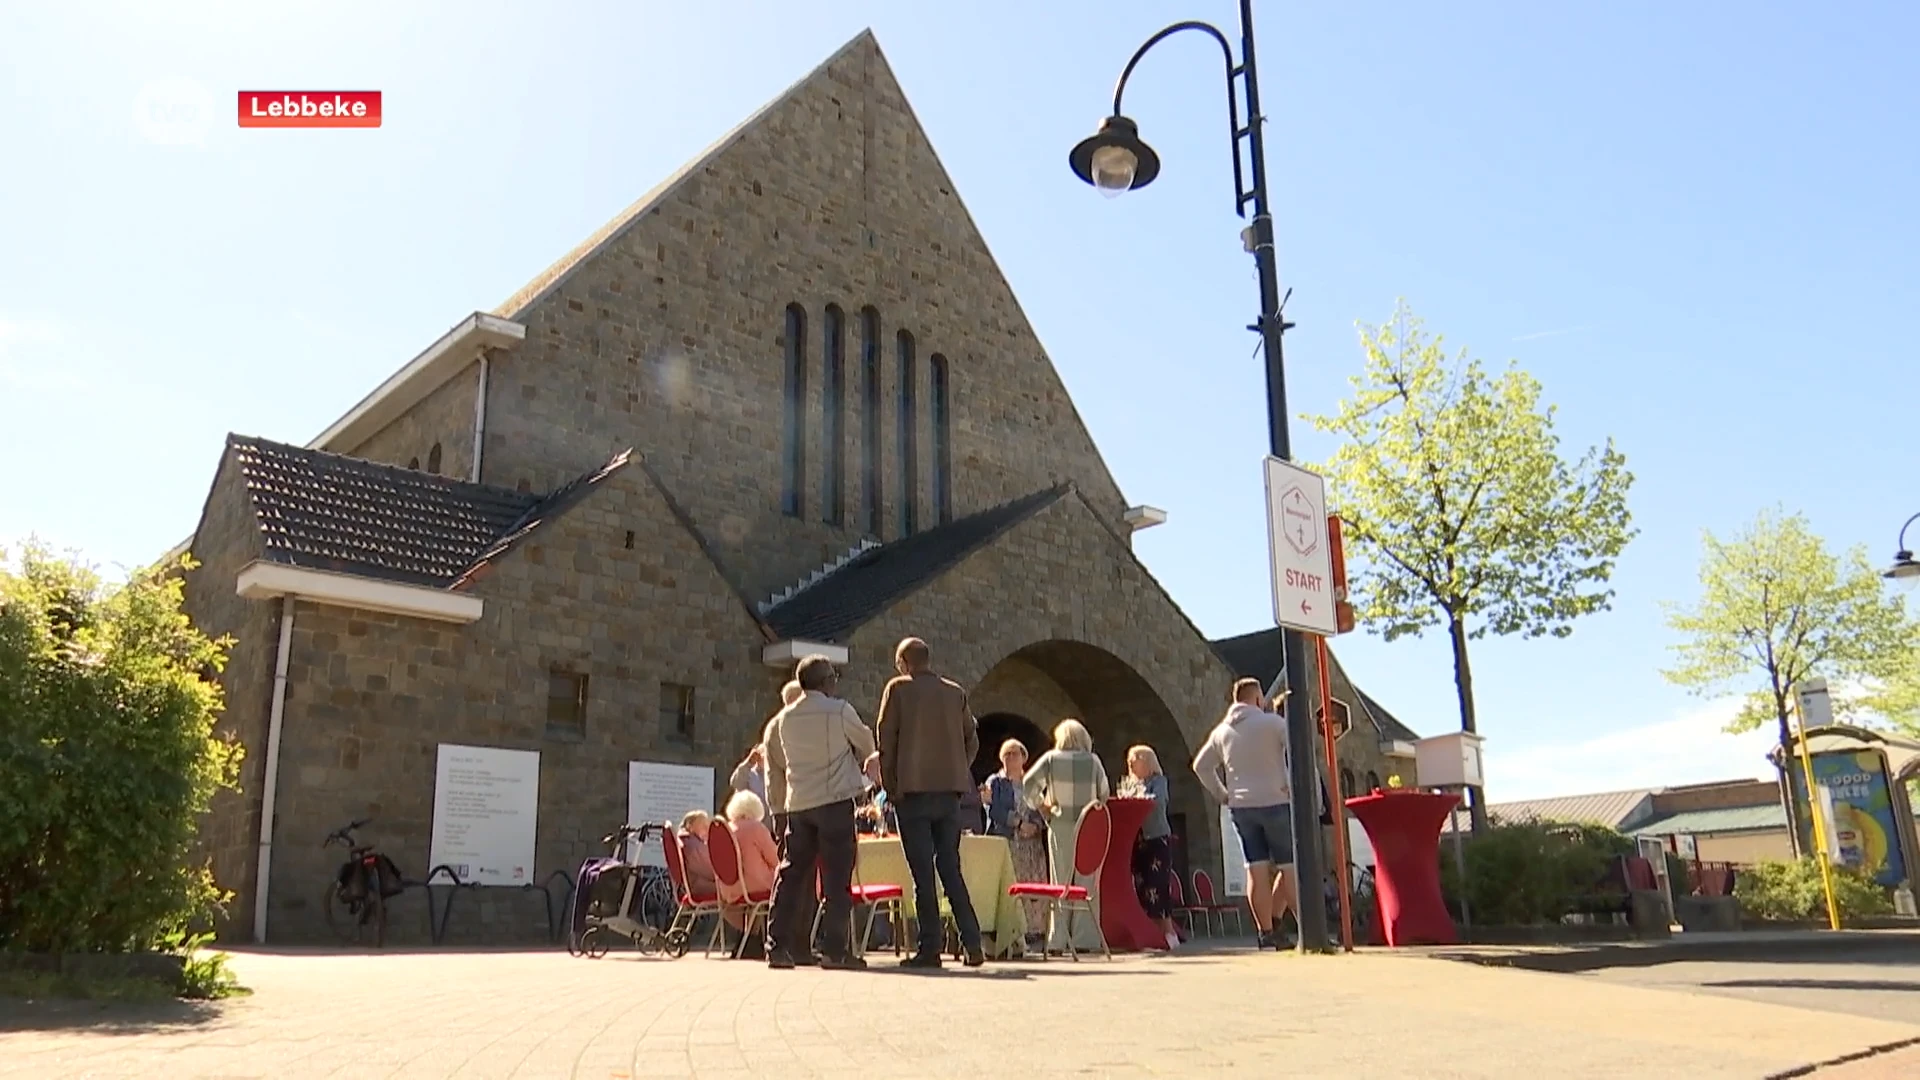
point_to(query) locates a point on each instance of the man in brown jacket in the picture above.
(927, 741)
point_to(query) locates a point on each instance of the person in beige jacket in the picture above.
(816, 748)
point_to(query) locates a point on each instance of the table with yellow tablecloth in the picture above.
(986, 863)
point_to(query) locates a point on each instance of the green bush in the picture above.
(107, 758)
(1528, 873)
(1793, 891)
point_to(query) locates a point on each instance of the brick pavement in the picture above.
(544, 1014)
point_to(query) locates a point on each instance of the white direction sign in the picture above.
(1297, 542)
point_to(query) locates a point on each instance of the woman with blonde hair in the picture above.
(1064, 781)
(1153, 849)
(759, 856)
(1025, 830)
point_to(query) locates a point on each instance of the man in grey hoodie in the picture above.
(1249, 746)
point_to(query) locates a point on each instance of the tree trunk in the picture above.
(1791, 761)
(1463, 683)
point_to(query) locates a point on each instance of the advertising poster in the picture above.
(1857, 806)
(659, 792)
(486, 802)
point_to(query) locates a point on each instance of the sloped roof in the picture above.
(326, 511)
(1257, 656)
(1614, 809)
(838, 604)
(1720, 820)
(551, 277)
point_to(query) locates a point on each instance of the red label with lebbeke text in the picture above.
(310, 108)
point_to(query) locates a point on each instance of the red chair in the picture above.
(1089, 855)
(1205, 900)
(754, 906)
(1183, 911)
(690, 907)
(874, 898)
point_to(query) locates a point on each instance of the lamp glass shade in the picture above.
(1114, 168)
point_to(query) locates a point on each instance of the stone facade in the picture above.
(665, 333)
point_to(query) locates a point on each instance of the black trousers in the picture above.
(930, 835)
(820, 841)
(809, 904)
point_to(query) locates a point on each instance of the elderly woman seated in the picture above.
(758, 857)
(693, 851)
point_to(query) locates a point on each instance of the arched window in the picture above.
(909, 434)
(414, 464)
(433, 459)
(793, 463)
(1346, 783)
(833, 431)
(1373, 782)
(942, 441)
(870, 420)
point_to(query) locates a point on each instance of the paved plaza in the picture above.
(1222, 1013)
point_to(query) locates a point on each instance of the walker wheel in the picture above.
(595, 943)
(677, 943)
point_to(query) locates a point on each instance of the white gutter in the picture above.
(262, 580)
(479, 418)
(267, 790)
(424, 374)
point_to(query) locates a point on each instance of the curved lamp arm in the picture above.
(1233, 101)
(1902, 542)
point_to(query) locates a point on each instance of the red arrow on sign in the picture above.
(1304, 609)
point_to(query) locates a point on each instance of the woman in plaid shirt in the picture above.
(1063, 782)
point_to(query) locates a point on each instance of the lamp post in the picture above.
(1904, 572)
(1116, 160)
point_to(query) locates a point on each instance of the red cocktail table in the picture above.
(1122, 919)
(1405, 830)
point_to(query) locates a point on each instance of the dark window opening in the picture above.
(414, 464)
(833, 430)
(870, 420)
(1346, 782)
(433, 460)
(676, 710)
(794, 420)
(1373, 782)
(629, 539)
(909, 434)
(566, 704)
(942, 440)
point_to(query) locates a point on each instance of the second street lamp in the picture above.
(1116, 160)
(1904, 572)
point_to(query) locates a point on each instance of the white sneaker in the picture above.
(1173, 942)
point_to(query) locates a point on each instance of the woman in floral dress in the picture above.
(1025, 830)
(1153, 849)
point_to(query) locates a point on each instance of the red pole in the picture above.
(1344, 865)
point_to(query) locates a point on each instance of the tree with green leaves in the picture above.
(108, 759)
(1775, 608)
(1458, 506)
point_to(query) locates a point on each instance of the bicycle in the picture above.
(643, 914)
(356, 900)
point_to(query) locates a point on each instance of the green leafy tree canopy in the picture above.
(1458, 506)
(108, 758)
(1776, 608)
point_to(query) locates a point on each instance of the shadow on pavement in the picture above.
(1882, 948)
(1816, 984)
(107, 1017)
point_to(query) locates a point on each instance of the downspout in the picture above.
(479, 418)
(274, 715)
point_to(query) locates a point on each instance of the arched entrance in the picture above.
(995, 729)
(1045, 682)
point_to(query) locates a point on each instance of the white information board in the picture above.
(1233, 860)
(486, 803)
(1297, 543)
(657, 791)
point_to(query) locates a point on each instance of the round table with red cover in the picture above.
(1122, 919)
(1404, 827)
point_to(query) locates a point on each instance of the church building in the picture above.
(784, 404)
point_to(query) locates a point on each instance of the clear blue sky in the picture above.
(1694, 222)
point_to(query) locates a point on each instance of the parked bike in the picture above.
(356, 900)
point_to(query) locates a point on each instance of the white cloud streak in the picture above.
(1689, 748)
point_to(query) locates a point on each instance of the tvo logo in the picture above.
(173, 112)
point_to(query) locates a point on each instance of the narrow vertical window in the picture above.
(909, 435)
(794, 420)
(942, 441)
(833, 431)
(433, 459)
(870, 420)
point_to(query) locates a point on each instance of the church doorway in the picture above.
(997, 728)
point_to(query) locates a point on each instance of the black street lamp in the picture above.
(1904, 572)
(1116, 160)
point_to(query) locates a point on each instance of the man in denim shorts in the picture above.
(1243, 764)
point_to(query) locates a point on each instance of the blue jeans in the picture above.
(1266, 833)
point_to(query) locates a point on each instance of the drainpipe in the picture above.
(274, 715)
(479, 418)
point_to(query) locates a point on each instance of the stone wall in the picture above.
(371, 696)
(227, 539)
(669, 335)
(444, 418)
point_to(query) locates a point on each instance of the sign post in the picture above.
(1812, 708)
(1303, 595)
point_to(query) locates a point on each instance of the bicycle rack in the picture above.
(437, 922)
